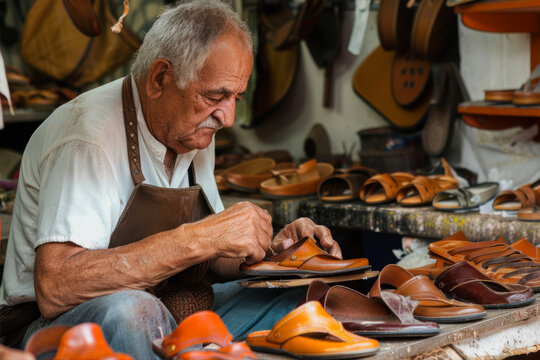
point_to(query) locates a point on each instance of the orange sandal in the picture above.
(305, 259)
(423, 189)
(81, 342)
(382, 188)
(309, 332)
(203, 327)
(524, 197)
(290, 182)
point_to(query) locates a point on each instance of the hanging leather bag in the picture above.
(52, 44)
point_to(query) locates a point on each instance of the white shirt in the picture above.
(75, 181)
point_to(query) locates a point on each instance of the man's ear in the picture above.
(160, 75)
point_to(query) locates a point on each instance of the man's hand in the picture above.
(301, 228)
(243, 230)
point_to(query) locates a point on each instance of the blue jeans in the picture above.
(131, 319)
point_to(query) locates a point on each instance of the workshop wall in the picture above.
(488, 61)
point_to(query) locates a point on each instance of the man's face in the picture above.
(187, 119)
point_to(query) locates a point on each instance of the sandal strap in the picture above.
(309, 318)
(461, 282)
(478, 258)
(200, 328)
(504, 260)
(299, 253)
(390, 183)
(474, 246)
(518, 265)
(532, 276)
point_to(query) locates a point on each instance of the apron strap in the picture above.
(130, 123)
(191, 175)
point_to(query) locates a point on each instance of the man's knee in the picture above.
(136, 311)
(133, 303)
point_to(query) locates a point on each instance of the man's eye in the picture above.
(213, 99)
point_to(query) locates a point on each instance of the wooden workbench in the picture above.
(500, 334)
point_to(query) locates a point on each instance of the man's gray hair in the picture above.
(184, 35)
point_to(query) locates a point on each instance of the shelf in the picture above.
(502, 16)
(485, 115)
(486, 108)
(505, 16)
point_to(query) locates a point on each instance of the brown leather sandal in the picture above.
(524, 197)
(432, 303)
(495, 259)
(305, 259)
(388, 316)
(464, 282)
(344, 186)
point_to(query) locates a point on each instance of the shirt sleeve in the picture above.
(78, 197)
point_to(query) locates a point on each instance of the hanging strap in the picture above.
(130, 123)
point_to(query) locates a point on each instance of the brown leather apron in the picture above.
(152, 209)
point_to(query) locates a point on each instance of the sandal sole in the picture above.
(356, 354)
(305, 273)
(452, 319)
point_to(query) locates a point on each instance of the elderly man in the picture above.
(117, 194)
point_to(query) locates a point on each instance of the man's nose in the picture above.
(229, 109)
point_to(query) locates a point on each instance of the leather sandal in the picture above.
(464, 282)
(81, 342)
(527, 248)
(344, 186)
(529, 214)
(382, 188)
(248, 175)
(529, 93)
(465, 198)
(305, 259)
(308, 332)
(16, 78)
(290, 182)
(389, 316)
(203, 327)
(422, 189)
(432, 303)
(521, 198)
(495, 259)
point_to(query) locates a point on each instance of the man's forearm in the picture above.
(67, 275)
